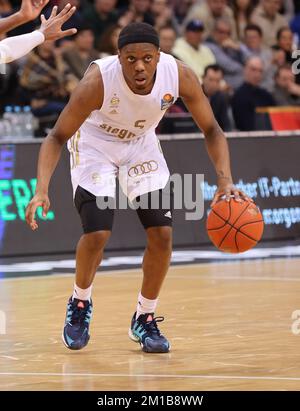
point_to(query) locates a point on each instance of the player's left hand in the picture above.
(31, 9)
(228, 191)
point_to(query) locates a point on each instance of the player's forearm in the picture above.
(49, 155)
(11, 22)
(218, 151)
(15, 47)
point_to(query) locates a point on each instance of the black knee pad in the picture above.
(156, 217)
(92, 217)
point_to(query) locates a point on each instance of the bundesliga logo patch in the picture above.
(166, 101)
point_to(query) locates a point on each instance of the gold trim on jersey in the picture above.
(75, 149)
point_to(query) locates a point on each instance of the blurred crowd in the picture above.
(242, 51)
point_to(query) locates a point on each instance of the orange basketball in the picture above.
(235, 227)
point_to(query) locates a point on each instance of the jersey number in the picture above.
(138, 124)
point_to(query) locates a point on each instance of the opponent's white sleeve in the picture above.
(15, 47)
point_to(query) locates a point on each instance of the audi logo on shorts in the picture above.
(144, 168)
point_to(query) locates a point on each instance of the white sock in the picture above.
(82, 294)
(145, 306)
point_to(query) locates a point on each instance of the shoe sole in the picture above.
(137, 340)
(132, 336)
(70, 348)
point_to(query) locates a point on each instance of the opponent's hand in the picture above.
(228, 190)
(31, 9)
(37, 201)
(51, 28)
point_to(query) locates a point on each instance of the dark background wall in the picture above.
(269, 165)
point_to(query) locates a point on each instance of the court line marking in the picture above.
(195, 376)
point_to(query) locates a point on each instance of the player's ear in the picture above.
(158, 55)
(119, 55)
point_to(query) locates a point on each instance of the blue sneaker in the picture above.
(145, 331)
(76, 330)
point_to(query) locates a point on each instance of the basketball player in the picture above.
(15, 47)
(110, 123)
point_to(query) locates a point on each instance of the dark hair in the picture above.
(167, 27)
(138, 33)
(83, 27)
(254, 27)
(214, 67)
(281, 30)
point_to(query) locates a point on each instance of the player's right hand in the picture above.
(51, 28)
(30, 9)
(39, 200)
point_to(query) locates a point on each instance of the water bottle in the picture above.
(28, 120)
(8, 130)
(8, 110)
(18, 123)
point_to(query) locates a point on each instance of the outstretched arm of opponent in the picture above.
(29, 10)
(87, 97)
(15, 47)
(192, 94)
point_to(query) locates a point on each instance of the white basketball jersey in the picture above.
(125, 115)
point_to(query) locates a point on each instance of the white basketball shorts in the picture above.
(95, 163)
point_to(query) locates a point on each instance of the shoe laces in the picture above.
(152, 325)
(79, 313)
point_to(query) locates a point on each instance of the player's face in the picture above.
(139, 62)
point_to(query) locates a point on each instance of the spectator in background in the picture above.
(286, 91)
(287, 9)
(254, 46)
(167, 38)
(82, 53)
(190, 48)
(229, 55)
(163, 14)
(285, 42)
(267, 16)
(46, 80)
(108, 42)
(250, 95)
(137, 11)
(100, 16)
(212, 80)
(180, 9)
(208, 12)
(242, 11)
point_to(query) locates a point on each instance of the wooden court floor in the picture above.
(230, 327)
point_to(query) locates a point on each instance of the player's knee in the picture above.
(160, 238)
(96, 240)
